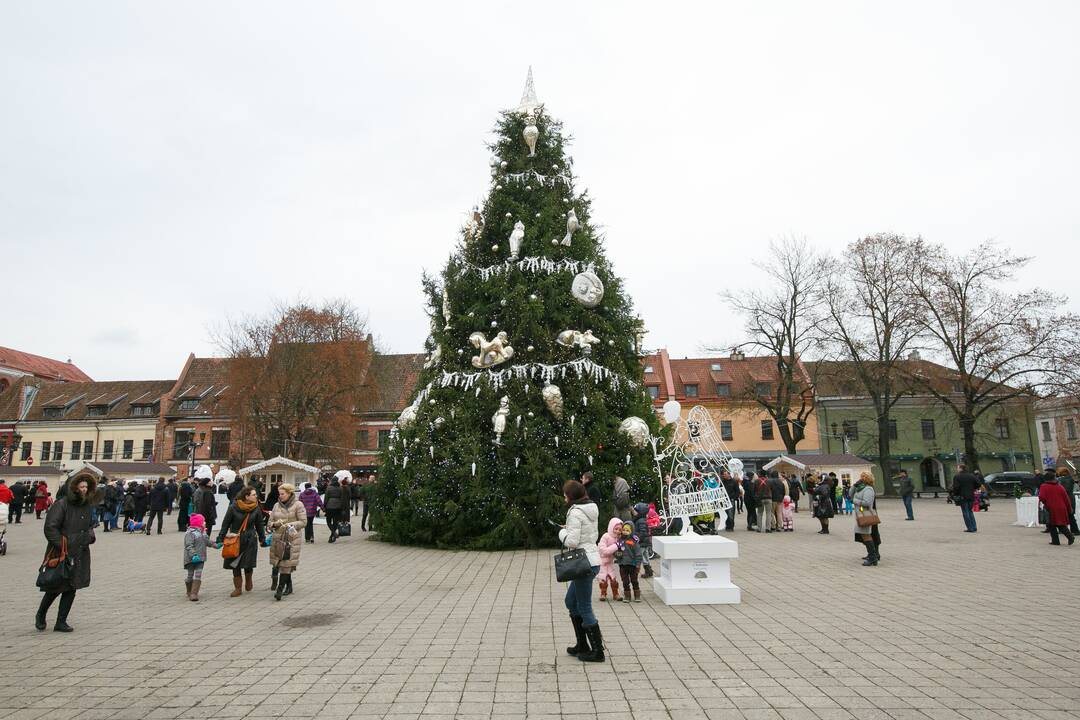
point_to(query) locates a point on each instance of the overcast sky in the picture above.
(164, 164)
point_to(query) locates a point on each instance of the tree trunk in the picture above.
(884, 451)
(792, 434)
(971, 456)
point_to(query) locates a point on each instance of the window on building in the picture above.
(1070, 429)
(723, 389)
(892, 429)
(384, 438)
(649, 369)
(45, 450)
(147, 449)
(1001, 428)
(725, 430)
(715, 367)
(27, 447)
(129, 449)
(88, 450)
(690, 390)
(97, 411)
(181, 440)
(190, 404)
(142, 410)
(928, 430)
(654, 391)
(58, 450)
(76, 449)
(1045, 430)
(362, 438)
(766, 430)
(106, 449)
(851, 429)
(763, 389)
(219, 444)
(53, 413)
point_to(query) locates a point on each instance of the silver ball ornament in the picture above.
(537, 214)
(554, 241)
(503, 164)
(611, 343)
(509, 215)
(533, 296)
(498, 187)
(494, 248)
(530, 348)
(494, 323)
(431, 402)
(554, 167)
(530, 413)
(528, 187)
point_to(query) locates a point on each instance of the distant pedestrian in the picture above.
(763, 500)
(128, 503)
(822, 505)
(205, 503)
(963, 493)
(67, 526)
(243, 520)
(184, 495)
(42, 499)
(196, 545)
(749, 503)
(788, 514)
(334, 502)
(907, 490)
(286, 520)
(644, 533)
(795, 491)
(234, 488)
(777, 493)
(356, 494)
(142, 501)
(849, 505)
(158, 500)
(591, 487)
(1058, 510)
(621, 497)
(864, 501)
(368, 488)
(1069, 484)
(734, 493)
(311, 501)
(18, 497)
(174, 490)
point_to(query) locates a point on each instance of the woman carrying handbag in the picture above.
(866, 518)
(242, 532)
(580, 533)
(68, 531)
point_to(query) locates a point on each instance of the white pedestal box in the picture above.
(696, 570)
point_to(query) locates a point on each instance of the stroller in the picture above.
(3, 541)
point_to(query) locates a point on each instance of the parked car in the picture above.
(1004, 484)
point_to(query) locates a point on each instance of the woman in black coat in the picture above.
(70, 518)
(142, 501)
(335, 501)
(244, 518)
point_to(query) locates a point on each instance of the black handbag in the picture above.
(344, 529)
(572, 565)
(56, 571)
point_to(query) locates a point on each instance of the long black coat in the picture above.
(71, 518)
(184, 496)
(254, 536)
(159, 497)
(18, 494)
(206, 504)
(142, 499)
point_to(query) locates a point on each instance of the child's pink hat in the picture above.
(197, 520)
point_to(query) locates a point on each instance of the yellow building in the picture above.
(66, 425)
(725, 388)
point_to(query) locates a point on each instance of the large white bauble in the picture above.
(635, 429)
(587, 289)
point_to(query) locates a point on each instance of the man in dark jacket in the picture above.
(183, 504)
(173, 492)
(1066, 480)
(749, 502)
(907, 490)
(731, 486)
(18, 497)
(963, 489)
(206, 503)
(763, 500)
(590, 487)
(142, 501)
(107, 491)
(234, 488)
(159, 500)
(69, 520)
(335, 501)
(777, 490)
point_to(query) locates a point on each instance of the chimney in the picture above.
(737, 354)
(914, 355)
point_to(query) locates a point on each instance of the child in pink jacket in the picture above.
(608, 572)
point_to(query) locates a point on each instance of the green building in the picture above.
(925, 435)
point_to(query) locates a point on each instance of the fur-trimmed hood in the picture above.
(92, 497)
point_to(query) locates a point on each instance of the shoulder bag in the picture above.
(56, 570)
(231, 547)
(868, 519)
(572, 565)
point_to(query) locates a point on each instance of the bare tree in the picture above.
(783, 314)
(873, 323)
(1004, 346)
(297, 377)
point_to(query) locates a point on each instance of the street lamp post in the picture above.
(192, 445)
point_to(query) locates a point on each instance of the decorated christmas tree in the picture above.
(533, 375)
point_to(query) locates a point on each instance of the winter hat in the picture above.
(197, 521)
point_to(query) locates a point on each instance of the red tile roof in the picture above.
(41, 367)
(741, 373)
(393, 380)
(205, 381)
(115, 399)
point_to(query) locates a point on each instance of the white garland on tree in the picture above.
(529, 264)
(531, 176)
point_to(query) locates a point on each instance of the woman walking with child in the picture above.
(242, 532)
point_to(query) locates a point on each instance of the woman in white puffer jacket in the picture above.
(580, 531)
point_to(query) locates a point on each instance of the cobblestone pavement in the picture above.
(950, 625)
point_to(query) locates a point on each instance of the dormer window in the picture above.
(53, 413)
(649, 369)
(189, 404)
(715, 367)
(97, 411)
(690, 390)
(143, 410)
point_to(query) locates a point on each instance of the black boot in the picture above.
(46, 602)
(66, 601)
(871, 554)
(596, 645)
(288, 584)
(582, 645)
(280, 584)
(274, 579)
